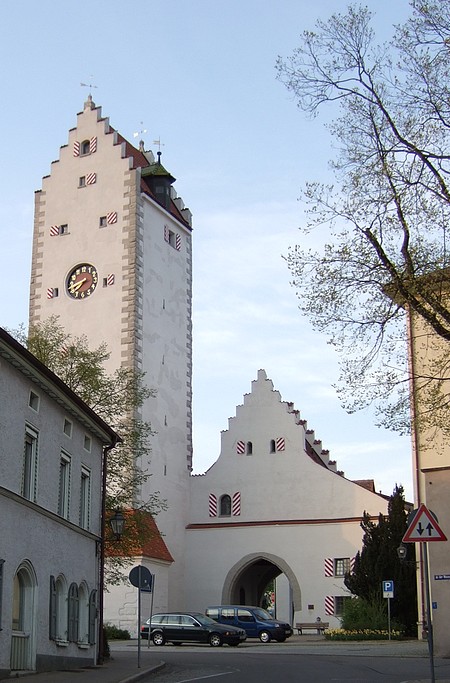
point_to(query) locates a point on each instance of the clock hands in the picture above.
(74, 287)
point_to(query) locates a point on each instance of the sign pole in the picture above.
(428, 606)
(389, 617)
(139, 617)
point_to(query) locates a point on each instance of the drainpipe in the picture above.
(100, 639)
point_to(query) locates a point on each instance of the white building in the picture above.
(51, 453)
(112, 257)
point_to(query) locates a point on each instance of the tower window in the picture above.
(272, 446)
(103, 222)
(82, 181)
(249, 448)
(85, 148)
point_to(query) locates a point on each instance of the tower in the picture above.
(112, 259)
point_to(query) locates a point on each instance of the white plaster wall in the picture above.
(62, 201)
(32, 531)
(121, 607)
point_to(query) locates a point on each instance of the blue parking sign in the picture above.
(388, 589)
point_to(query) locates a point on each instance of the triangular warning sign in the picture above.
(423, 528)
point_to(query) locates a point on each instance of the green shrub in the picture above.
(360, 615)
(114, 633)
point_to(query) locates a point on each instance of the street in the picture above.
(292, 662)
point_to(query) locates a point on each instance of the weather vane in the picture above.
(159, 143)
(88, 85)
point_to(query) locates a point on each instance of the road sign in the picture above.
(423, 528)
(388, 589)
(141, 578)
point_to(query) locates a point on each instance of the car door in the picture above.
(247, 621)
(192, 630)
(173, 629)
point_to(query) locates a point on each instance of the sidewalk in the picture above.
(121, 667)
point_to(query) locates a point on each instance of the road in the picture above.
(293, 662)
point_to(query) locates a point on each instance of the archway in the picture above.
(23, 652)
(247, 580)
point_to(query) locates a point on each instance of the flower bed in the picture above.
(362, 634)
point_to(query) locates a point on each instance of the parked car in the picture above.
(256, 621)
(190, 627)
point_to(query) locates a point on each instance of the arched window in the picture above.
(23, 617)
(272, 446)
(225, 506)
(85, 147)
(61, 609)
(249, 449)
(73, 613)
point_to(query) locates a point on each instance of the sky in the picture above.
(198, 75)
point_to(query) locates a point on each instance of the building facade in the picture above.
(51, 462)
(112, 258)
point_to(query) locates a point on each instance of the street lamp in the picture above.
(117, 523)
(401, 552)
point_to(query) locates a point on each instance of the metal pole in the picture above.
(428, 605)
(389, 617)
(139, 618)
(151, 611)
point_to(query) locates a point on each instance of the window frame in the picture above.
(85, 498)
(225, 505)
(65, 462)
(345, 561)
(30, 463)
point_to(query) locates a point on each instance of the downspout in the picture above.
(101, 581)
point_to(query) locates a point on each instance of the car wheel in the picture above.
(215, 640)
(158, 638)
(264, 637)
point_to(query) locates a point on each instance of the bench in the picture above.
(319, 626)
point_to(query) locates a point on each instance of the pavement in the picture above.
(122, 666)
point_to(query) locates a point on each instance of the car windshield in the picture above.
(262, 614)
(204, 620)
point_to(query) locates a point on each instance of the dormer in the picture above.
(159, 181)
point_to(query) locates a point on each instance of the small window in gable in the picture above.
(225, 506)
(103, 222)
(87, 443)
(33, 401)
(272, 446)
(249, 448)
(85, 148)
(82, 181)
(67, 429)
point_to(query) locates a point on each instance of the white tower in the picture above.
(112, 258)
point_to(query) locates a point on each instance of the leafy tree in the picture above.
(117, 398)
(378, 561)
(385, 220)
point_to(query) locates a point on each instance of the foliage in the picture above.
(117, 398)
(378, 561)
(361, 615)
(386, 218)
(362, 634)
(114, 633)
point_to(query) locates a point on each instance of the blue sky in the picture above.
(199, 75)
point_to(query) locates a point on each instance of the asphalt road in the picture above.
(275, 664)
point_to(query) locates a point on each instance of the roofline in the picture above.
(32, 367)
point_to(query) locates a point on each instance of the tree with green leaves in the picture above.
(117, 398)
(375, 245)
(378, 561)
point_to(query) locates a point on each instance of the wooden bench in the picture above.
(319, 626)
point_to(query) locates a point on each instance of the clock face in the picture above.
(81, 281)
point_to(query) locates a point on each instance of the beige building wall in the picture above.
(431, 461)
